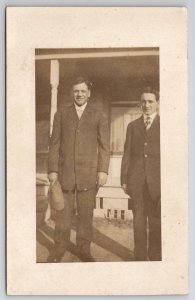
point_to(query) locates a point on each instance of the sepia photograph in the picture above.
(97, 175)
(97, 151)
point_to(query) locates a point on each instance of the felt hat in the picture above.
(56, 196)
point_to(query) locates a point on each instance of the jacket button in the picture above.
(145, 155)
(85, 189)
(145, 144)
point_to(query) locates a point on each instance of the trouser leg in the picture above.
(140, 228)
(62, 228)
(85, 205)
(154, 223)
(154, 220)
(63, 220)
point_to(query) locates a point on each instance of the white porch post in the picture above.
(54, 81)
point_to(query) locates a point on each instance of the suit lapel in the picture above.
(88, 110)
(141, 126)
(72, 115)
(155, 124)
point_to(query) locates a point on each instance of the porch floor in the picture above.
(112, 242)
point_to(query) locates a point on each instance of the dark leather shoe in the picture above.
(56, 254)
(87, 257)
(84, 253)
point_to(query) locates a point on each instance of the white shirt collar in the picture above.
(80, 108)
(152, 117)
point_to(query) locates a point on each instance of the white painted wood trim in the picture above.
(98, 54)
(54, 81)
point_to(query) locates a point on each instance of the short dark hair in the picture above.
(82, 80)
(150, 90)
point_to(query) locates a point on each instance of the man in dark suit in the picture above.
(140, 177)
(79, 159)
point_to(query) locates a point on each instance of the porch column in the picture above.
(54, 81)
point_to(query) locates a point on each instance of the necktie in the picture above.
(147, 123)
(79, 113)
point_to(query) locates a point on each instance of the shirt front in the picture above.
(80, 109)
(151, 118)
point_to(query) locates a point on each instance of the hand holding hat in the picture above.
(56, 196)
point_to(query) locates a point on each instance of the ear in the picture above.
(89, 93)
(71, 94)
(158, 108)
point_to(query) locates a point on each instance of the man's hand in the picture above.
(52, 177)
(101, 178)
(124, 187)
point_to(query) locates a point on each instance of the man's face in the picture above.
(148, 103)
(81, 93)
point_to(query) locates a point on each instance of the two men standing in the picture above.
(140, 177)
(79, 159)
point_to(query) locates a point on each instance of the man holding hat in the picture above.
(79, 160)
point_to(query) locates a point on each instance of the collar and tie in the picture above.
(80, 109)
(148, 120)
(79, 112)
(147, 123)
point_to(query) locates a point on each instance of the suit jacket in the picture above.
(79, 148)
(141, 159)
